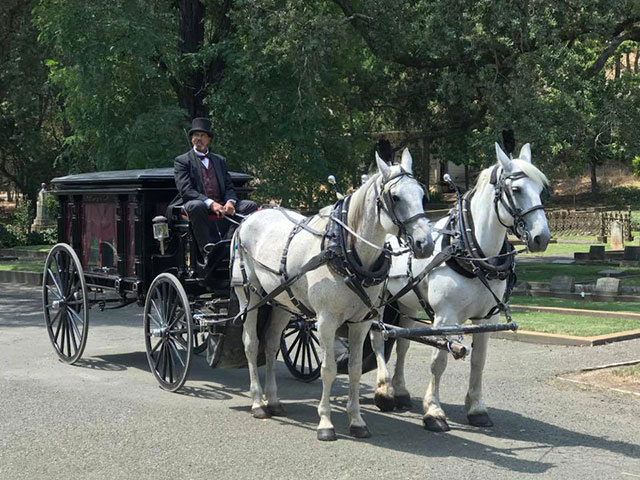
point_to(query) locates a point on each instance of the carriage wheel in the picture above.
(168, 330)
(299, 346)
(64, 301)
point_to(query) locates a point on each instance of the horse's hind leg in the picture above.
(476, 409)
(357, 333)
(326, 332)
(251, 345)
(402, 396)
(383, 396)
(279, 320)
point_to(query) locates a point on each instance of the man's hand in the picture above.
(217, 209)
(229, 208)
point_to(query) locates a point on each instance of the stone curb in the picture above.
(574, 311)
(568, 340)
(28, 278)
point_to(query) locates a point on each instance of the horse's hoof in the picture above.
(384, 402)
(435, 424)
(480, 420)
(359, 432)
(403, 402)
(327, 435)
(276, 410)
(260, 412)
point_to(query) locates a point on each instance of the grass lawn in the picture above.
(36, 248)
(22, 266)
(582, 326)
(630, 372)
(526, 300)
(543, 272)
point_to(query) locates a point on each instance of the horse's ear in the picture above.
(407, 161)
(525, 153)
(503, 159)
(383, 167)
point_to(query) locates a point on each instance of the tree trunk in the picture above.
(635, 65)
(617, 72)
(594, 179)
(426, 162)
(191, 87)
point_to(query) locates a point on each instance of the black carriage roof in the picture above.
(151, 177)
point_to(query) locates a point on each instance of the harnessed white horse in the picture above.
(507, 197)
(273, 246)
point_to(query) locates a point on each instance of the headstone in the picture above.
(581, 256)
(596, 252)
(608, 286)
(631, 253)
(617, 236)
(562, 283)
(44, 218)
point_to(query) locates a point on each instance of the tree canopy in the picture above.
(298, 89)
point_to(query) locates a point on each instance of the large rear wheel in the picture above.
(168, 330)
(300, 346)
(64, 301)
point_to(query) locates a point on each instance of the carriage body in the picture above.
(107, 218)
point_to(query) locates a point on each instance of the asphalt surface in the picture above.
(106, 418)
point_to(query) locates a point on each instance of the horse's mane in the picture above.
(529, 170)
(356, 206)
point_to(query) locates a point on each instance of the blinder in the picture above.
(501, 191)
(385, 202)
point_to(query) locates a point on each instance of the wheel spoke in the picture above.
(70, 314)
(292, 332)
(308, 345)
(60, 324)
(55, 318)
(153, 350)
(295, 361)
(164, 367)
(181, 341)
(176, 352)
(72, 334)
(315, 353)
(75, 314)
(57, 284)
(155, 307)
(68, 332)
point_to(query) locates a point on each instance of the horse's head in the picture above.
(519, 191)
(400, 204)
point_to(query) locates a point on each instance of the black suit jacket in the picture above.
(188, 174)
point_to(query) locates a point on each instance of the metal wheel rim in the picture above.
(168, 331)
(65, 304)
(299, 346)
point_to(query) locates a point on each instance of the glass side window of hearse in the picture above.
(99, 237)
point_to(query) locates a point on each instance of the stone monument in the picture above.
(44, 218)
(617, 235)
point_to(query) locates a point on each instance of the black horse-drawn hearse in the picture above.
(120, 242)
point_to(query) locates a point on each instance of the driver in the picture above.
(206, 188)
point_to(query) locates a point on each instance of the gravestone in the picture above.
(612, 273)
(632, 253)
(562, 283)
(596, 252)
(608, 286)
(617, 236)
(44, 218)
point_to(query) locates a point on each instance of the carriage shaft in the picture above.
(394, 332)
(457, 349)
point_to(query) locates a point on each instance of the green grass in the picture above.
(35, 248)
(22, 266)
(632, 371)
(543, 272)
(633, 307)
(582, 326)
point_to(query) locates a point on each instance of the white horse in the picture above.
(389, 202)
(506, 197)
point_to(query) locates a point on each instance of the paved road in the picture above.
(107, 419)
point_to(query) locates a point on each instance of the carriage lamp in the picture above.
(160, 230)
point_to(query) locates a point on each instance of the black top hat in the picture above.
(201, 125)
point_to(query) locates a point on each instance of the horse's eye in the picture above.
(395, 198)
(515, 189)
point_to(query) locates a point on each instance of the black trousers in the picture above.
(212, 231)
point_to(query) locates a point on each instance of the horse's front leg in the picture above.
(327, 326)
(384, 394)
(279, 320)
(357, 333)
(476, 410)
(434, 418)
(251, 344)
